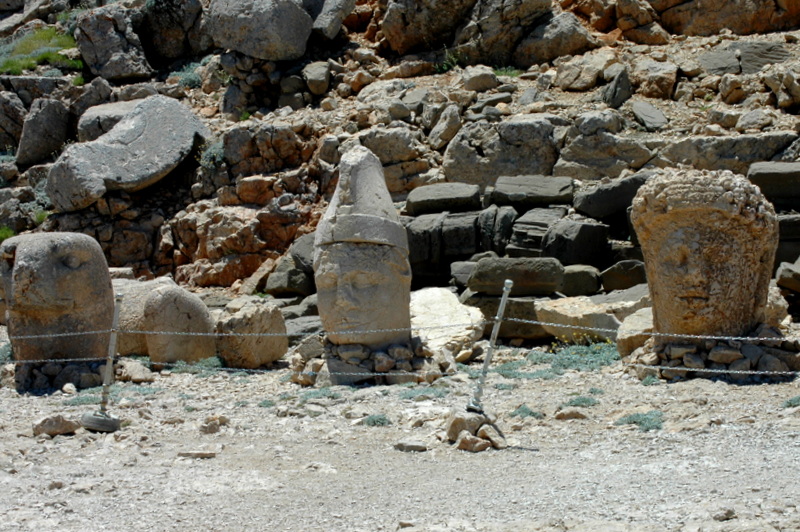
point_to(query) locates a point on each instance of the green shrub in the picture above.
(78, 81)
(5, 353)
(266, 403)
(504, 386)
(38, 48)
(596, 391)
(213, 155)
(321, 393)
(377, 420)
(6, 232)
(450, 61)
(40, 216)
(581, 401)
(202, 368)
(652, 420)
(650, 380)
(508, 71)
(791, 403)
(187, 77)
(244, 116)
(523, 411)
(589, 357)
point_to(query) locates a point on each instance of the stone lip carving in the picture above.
(709, 242)
(361, 266)
(55, 283)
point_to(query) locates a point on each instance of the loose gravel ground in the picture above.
(281, 457)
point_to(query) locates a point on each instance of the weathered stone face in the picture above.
(709, 241)
(364, 287)
(56, 283)
(361, 266)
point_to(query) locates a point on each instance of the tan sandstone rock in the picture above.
(709, 241)
(251, 315)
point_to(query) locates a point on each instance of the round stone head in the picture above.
(709, 242)
(56, 283)
(361, 264)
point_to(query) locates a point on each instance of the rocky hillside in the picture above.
(200, 138)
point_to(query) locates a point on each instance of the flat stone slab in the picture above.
(454, 197)
(524, 192)
(649, 116)
(140, 150)
(777, 180)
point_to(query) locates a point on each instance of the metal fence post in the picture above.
(474, 404)
(102, 421)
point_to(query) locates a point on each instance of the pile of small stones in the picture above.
(318, 362)
(46, 377)
(768, 351)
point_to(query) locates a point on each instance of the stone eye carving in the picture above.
(71, 261)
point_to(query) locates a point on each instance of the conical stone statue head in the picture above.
(709, 240)
(361, 266)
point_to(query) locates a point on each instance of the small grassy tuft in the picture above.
(321, 393)
(523, 411)
(652, 420)
(187, 77)
(650, 380)
(504, 386)
(377, 420)
(507, 71)
(266, 403)
(791, 403)
(581, 401)
(422, 394)
(596, 391)
(6, 232)
(202, 368)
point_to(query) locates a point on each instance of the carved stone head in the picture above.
(361, 266)
(709, 241)
(56, 283)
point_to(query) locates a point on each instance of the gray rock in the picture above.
(618, 91)
(447, 126)
(290, 278)
(29, 88)
(328, 15)
(524, 192)
(461, 271)
(601, 155)
(459, 235)
(529, 229)
(11, 5)
(273, 30)
(735, 153)
(302, 251)
(482, 151)
(755, 119)
(317, 76)
(392, 145)
(100, 119)
(720, 61)
(622, 275)
(648, 115)
(610, 198)
(160, 126)
(412, 24)
(495, 27)
(712, 16)
(531, 276)
(175, 28)
(577, 242)
(108, 44)
(479, 78)
(410, 445)
(580, 280)
(788, 276)
(300, 328)
(517, 308)
(754, 55)
(441, 197)
(590, 123)
(12, 118)
(561, 35)
(44, 133)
